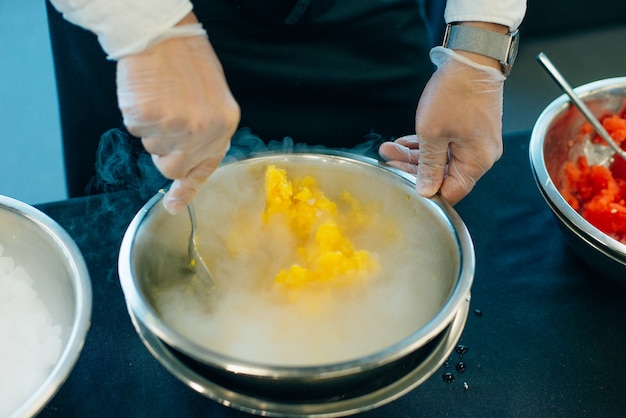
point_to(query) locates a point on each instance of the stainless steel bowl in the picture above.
(287, 390)
(552, 144)
(61, 280)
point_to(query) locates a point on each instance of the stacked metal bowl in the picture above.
(45, 305)
(553, 143)
(333, 388)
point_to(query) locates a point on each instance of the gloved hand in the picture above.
(458, 125)
(175, 97)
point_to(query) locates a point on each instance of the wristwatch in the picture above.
(500, 46)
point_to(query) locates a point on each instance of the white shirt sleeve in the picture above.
(504, 12)
(128, 26)
(124, 26)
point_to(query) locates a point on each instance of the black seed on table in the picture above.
(448, 377)
(478, 312)
(462, 349)
(460, 367)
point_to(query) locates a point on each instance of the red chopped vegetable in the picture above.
(596, 192)
(614, 125)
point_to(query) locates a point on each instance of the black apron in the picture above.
(322, 72)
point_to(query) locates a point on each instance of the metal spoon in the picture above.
(196, 262)
(560, 80)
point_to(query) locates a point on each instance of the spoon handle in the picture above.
(560, 80)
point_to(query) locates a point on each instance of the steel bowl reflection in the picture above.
(552, 145)
(335, 385)
(50, 260)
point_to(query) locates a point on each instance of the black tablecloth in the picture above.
(544, 332)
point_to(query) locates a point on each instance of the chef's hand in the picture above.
(458, 125)
(175, 97)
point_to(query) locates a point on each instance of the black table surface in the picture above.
(544, 334)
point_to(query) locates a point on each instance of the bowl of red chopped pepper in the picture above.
(581, 178)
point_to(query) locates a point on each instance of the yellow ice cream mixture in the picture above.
(327, 257)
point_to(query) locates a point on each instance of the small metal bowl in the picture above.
(328, 389)
(552, 144)
(54, 262)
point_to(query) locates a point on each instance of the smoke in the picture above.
(246, 321)
(252, 320)
(245, 144)
(123, 164)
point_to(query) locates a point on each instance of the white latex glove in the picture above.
(175, 97)
(458, 125)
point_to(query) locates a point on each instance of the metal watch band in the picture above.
(499, 46)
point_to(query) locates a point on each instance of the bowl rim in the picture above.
(549, 190)
(142, 310)
(81, 321)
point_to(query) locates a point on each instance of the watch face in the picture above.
(511, 53)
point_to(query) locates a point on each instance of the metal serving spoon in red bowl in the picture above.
(567, 89)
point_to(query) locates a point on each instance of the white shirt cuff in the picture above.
(504, 12)
(124, 27)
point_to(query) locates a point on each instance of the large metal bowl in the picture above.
(51, 258)
(552, 144)
(319, 389)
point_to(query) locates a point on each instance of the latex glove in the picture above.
(458, 125)
(175, 97)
